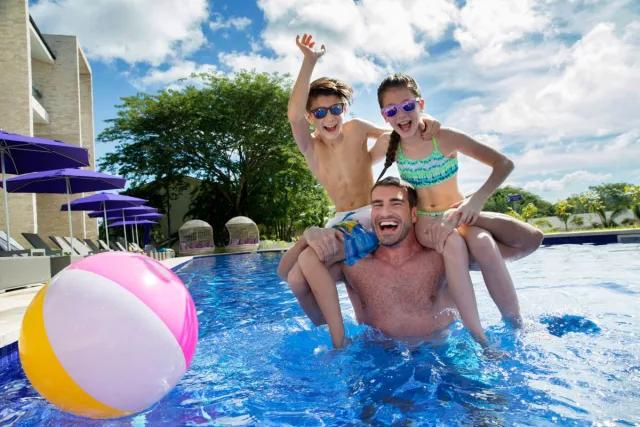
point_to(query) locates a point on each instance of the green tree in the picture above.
(633, 191)
(499, 201)
(604, 198)
(563, 210)
(528, 212)
(231, 133)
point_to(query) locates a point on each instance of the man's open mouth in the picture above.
(388, 225)
(331, 128)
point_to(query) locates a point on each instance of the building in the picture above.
(46, 91)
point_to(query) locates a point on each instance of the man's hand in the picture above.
(325, 242)
(438, 232)
(431, 128)
(306, 43)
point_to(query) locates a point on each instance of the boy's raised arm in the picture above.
(297, 107)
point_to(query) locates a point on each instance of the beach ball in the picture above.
(109, 335)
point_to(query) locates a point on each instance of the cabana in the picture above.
(243, 234)
(196, 237)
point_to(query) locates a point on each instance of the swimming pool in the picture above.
(260, 362)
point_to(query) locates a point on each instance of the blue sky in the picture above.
(552, 83)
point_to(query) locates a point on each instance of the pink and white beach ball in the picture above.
(109, 336)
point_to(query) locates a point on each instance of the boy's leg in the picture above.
(486, 253)
(300, 288)
(325, 293)
(516, 239)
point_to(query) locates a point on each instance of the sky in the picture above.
(554, 84)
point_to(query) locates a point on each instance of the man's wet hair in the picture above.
(392, 181)
(325, 86)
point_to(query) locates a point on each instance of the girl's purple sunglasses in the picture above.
(408, 106)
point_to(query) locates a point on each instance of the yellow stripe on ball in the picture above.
(45, 372)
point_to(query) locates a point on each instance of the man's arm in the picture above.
(297, 107)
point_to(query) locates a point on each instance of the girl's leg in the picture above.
(456, 262)
(516, 239)
(325, 293)
(485, 252)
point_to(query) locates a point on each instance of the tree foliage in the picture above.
(230, 132)
(499, 201)
(563, 210)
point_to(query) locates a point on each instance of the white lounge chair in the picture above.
(12, 247)
(62, 243)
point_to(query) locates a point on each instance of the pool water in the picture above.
(259, 361)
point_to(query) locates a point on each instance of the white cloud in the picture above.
(171, 76)
(586, 94)
(364, 40)
(488, 28)
(237, 22)
(150, 31)
(550, 184)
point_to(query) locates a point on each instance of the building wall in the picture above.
(60, 87)
(86, 124)
(66, 96)
(15, 103)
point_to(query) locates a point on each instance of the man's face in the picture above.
(391, 215)
(328, 127)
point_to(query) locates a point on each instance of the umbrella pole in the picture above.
(69, 214)
(136, 225)
(106, 224)
(124, 227)
(6, 201)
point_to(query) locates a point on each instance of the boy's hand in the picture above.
(431, 128)
(306, 43)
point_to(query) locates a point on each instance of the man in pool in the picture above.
(400, 288)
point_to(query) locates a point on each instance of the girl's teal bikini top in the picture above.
(429, 171)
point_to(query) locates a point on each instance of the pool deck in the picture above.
(14, 303)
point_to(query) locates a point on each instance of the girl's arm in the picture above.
(501, 166)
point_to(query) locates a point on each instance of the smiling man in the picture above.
(400, 288)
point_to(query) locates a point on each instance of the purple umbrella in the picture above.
(63, 181)
(125, 213)
(102, 201)
(132, 222)
(23, 154)
(128, 212)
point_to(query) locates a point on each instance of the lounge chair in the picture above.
(79, 247)
(38, 243)
(12, 248)
(103, 245)
(92, 245)
(120, 246)
(62, 244)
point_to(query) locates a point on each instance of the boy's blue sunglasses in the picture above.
(321, 112)
(408, 106)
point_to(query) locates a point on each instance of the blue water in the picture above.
(260, 362)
